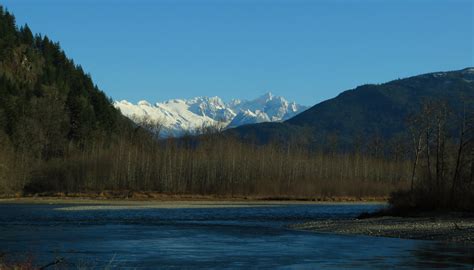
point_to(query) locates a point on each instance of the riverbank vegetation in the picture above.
(442, 173)
(210, 165)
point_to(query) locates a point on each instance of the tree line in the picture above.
(215, 164)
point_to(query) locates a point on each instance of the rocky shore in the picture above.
(449, 228)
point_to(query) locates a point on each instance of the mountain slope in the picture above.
(48, 104)
(180, 116)
(370, 110)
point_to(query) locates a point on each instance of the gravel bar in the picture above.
(448, 229)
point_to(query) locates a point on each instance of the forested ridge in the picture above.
(370, 110)
(49, 107)
(59, 134)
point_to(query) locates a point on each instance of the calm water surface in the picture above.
(250, 237)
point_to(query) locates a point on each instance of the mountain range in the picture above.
(182, 116)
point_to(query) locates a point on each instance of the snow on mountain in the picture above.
(179, 116)
(248, 117)
(468, 74)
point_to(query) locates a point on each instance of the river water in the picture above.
(229, 237)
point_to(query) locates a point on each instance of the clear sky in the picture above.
(307, 51)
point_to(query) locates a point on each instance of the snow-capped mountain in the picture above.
(180, 116)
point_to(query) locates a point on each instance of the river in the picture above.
(203, 236)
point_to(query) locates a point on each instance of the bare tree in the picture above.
(416, 129)
(155, 126)
(465, 140)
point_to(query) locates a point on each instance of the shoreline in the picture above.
(168, 202)
(444, 228)
(152, 197)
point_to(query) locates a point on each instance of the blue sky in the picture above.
(307, 51)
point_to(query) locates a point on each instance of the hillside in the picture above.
(370, 110)
(49, 107)
(185, 116)
(40, 85)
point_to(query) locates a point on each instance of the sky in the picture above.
(307, 51)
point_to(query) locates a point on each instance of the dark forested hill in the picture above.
(370, 110)
(50, 112)
(47, 101)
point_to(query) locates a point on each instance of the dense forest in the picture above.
(59, 134)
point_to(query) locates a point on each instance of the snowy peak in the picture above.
(266, 97)
(144, 103)
(181, 116)
(212, 107)
(275, 107)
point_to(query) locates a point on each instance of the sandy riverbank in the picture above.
(450, 228)
(78, 204)
(119, 197)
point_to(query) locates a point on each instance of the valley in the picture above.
(378, 176)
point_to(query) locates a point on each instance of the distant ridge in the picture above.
(368, 110)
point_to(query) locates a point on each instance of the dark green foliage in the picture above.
(48, 105)
(44, 93)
